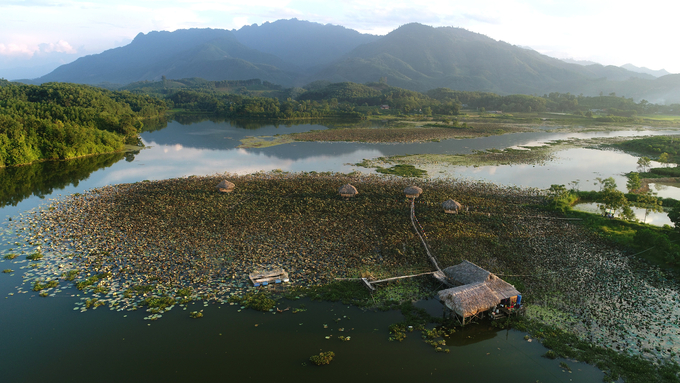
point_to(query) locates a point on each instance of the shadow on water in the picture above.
(41, 179)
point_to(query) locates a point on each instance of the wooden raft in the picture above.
(265, 277)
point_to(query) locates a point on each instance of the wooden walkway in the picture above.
(437, 274)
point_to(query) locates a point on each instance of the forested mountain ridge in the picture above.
(212, 54)
(415, 57)
(302, 43)
(421, 57)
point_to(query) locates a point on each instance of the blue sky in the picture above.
(38, 35)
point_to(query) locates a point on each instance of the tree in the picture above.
(634, 183)
(606, 183)
(612, 200)
(664, 158)
(674, 216)
(644, 163)
(649, 202)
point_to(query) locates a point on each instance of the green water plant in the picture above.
(70, 275)
(91, 280)
(323, 358)
(7, 271)
(11, 256)
(261, 301)
(35, 256)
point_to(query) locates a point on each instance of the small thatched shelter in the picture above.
(348, 190)
(452, 207)
(413, 191)
(225, 187)
(479, 290)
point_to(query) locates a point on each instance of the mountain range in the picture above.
(414, 56)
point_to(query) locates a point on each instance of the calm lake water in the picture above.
(45, 340)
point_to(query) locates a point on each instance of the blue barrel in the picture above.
(519, 300)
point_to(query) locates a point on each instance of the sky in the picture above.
(36, 36)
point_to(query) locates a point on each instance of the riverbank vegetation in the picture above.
(322, 98)
(57, 121)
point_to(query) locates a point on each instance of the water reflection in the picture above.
(652, 218)
(42, 179)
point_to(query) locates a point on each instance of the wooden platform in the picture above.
(265, 277)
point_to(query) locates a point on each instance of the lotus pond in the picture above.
(62, 333)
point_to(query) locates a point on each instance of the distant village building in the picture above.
(384, 106)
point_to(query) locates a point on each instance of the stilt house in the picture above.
(478, 291)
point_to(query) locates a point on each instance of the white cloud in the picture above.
(29, 50)
(60, 46)
(16, 50)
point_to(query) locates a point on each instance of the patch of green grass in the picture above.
(403, 170)
(35, 256)
(11, 256)
(7, 271)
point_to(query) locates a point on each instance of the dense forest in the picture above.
(60, 121)
(256, 98)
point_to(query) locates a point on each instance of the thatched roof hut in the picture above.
(348, 190)
(225, 187)
(480, 290)
(413, 191)
(452, 207)
(465, 273)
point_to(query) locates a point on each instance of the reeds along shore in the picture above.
(182, 235)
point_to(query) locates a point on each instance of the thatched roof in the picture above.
(480, 290)
(451, 206)
(469, 299)
(466, 272)
(348, 190)
(413, 191)
(225, 186)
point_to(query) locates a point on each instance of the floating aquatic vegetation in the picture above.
(261, 301)
(11, 256)
(322, 358)
(160, 243)
(7, 271)
(38, 286)
(35, 256)
(196, 314)
(70, 275)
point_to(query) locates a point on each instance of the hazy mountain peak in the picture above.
(655, 73)
(304, 43)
